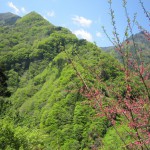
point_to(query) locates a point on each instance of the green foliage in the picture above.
(112, 140)
(13, 80)
(47, 109)
(20, 138)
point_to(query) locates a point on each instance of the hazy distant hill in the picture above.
(8, 18)
(142, 43)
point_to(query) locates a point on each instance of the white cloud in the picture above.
(23, 10)
(83, 34)
(82, 21)
(51, 13)
(16, 9)
(98, 34)
(11, 5)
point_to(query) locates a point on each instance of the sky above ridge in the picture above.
(84, 18)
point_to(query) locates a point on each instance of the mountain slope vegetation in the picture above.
(45, 108)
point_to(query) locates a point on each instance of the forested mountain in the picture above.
(43, 106)
(8, 18)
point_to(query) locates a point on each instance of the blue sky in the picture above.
(83, 17)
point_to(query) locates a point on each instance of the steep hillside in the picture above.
(43, 67)
(8, 19)
(46, 109)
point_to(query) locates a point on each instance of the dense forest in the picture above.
(43, 101)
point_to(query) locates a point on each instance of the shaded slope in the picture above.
(8, 18)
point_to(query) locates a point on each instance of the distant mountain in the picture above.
(8, 18)
(141, 42)
(140, 38)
